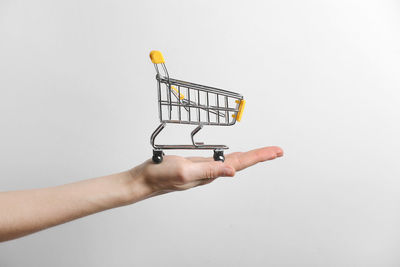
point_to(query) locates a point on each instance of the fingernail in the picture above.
(228, 171)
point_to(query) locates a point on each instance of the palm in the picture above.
(178, 173)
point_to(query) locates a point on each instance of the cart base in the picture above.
(158, 149)
(158, 154)
(204, 147)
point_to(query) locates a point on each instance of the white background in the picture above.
(321, 80)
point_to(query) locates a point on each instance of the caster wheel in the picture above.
(219, 155)
(157, 156)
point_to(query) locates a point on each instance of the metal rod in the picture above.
(155, 66)
(159, 100)
(166, 103)
(196, 122)
(226, 112)
(204, 147)
(208, 108)
(165, 70)
(195, 131)
(179, 101)
(155, 133)
(198, 103)
(218, 106)
(188, 94)
(199, 86)
(169, 99)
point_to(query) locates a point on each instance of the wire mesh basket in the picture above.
(184, 102)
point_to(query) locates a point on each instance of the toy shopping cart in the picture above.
(189, 103)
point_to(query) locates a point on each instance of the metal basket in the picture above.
(184, 102)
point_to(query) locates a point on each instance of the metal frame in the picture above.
(224, 112)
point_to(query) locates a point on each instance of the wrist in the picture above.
(136, 187)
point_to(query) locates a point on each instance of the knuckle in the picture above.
(181, 174)
(269, 156)
(211, 172)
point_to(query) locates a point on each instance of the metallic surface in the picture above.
(201, 105)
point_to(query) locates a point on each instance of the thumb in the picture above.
(211, 170)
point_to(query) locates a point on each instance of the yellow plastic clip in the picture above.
(181, 96)
(241, 103)
(156, 57)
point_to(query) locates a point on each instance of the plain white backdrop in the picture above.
(321, 80)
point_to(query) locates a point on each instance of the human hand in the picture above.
(177, 173)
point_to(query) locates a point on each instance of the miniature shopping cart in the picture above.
(189, 103)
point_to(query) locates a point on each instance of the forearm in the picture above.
(25, 212)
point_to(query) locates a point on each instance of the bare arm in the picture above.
(28, 211)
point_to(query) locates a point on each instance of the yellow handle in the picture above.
(241, 103)
(181, 96)
(156, 57)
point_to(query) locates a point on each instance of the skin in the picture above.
(29, 211)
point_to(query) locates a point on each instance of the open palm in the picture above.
(178, 173)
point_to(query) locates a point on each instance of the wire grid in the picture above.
(188, 103)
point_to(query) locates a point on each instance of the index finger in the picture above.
(243, 160)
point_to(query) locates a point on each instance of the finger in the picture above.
(242, 160)
(210, 170)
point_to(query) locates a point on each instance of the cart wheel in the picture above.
(158, 156)
(219, 155)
